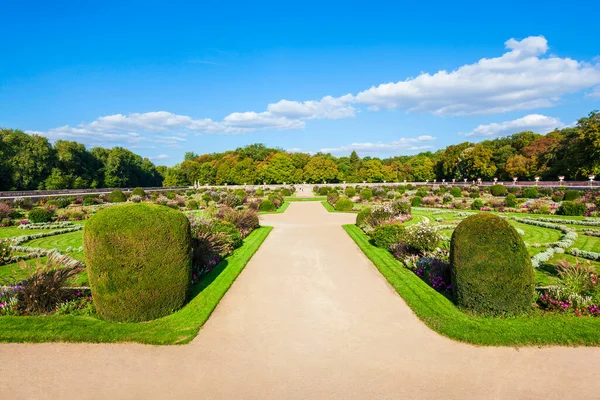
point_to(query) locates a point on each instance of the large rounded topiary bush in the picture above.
(491, 269)
(498, 190)
(138, 258)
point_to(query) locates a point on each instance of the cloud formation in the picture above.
(403, 144)
(532, 122)
(522, 78)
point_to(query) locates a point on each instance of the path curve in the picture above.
(309, 318)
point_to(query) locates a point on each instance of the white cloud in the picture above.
(519, 79)
(159, 157)
(532, 122)
(524, 77)
(328, 107)
(403, 144)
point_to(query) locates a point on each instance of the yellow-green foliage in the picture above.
(138, 258)
(491, 268)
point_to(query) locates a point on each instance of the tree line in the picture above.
(31, 162)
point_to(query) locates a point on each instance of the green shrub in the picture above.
(276, 199)
(344, 204)
(573, 208)
(571, 195)
(498, 190)
(38, 215)
(491, 268)
(231, 230)
(510, 200)
(63, 202)
(260, 192)
(170, 195)
(477, 204)
(558, 197)
(116, 196)
(386, 235)
(138, 191)
(422, 192)
(323, 191)
(350, 191)
(286, 192)
(366, 194)
(474, 194)
(192, 204)
(456, 192)
(401, 207)
(416, 201)
(267, 206)
(362, 215)
(332, 197)
(138, 258)
(89, 200)
(530, 193)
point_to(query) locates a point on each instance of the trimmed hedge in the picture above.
(344, 204)
(138, 191)
(571, 195)
(267, 205)
(573, 208)
(366, 194)
(456, 192)
(116, 196)
(498, 190)
(386, 235)
(530, 193)
(416, 201)
(491, 268)
(38, 215)
(350, 191)
(138, 258)
(510, 200)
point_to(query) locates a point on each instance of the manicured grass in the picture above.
(60, 242)
(589, 243)
(280, 210)
(13, 231)
(441, 315)
(178, 328)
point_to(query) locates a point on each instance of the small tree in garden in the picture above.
(344, 204)
(366, 194)
(491, 268)
(138, 191)
(138, 258)
(456, 192)
(498, 190)
(116, 196)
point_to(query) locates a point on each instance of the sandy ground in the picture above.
(309, 318)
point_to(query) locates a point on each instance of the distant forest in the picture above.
(32, 162)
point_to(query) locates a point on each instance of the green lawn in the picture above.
(60, 242)
(178, 328)
(13, 231)
(441, 315)
(280, 210)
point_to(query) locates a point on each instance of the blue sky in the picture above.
(163, 78)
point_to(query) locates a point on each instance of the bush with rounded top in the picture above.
(286, 192)
(38, 215)
(571, 195)
(422, 192)
(362, 215)
(344, 204)
(350, 191)
(116, 196)
(332, 197)
(138, 258)
(510, 200)
(456, 192)
(416, 201)
(530, 193)
(323, 191)
(366, 194)
(138, 191)
(267, 206)
(192, 204)
(385, 235)
(491, 268)
(498, 190)
(573, 208)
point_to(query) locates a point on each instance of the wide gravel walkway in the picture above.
(309, 318)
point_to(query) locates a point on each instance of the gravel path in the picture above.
(309, 318)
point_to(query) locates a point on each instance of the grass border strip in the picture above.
(442, 316)
(178, 328)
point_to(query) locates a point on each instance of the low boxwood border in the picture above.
(178, 328)
(441, 315)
